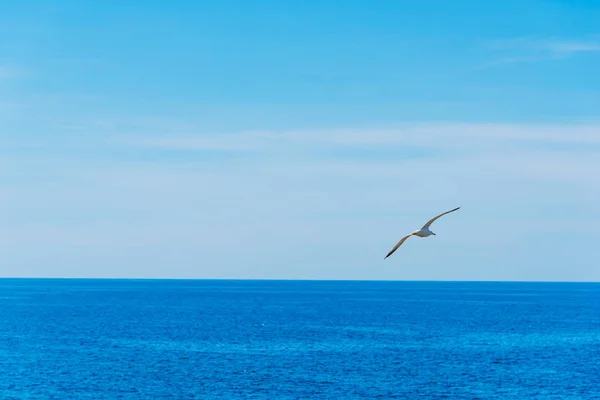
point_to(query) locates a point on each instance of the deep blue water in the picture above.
(145, 339)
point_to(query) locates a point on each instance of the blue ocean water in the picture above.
(177, 339)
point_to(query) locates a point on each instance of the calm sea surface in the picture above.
(161, 339)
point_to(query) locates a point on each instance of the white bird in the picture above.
(423, 232)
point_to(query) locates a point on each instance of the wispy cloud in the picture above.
(216, 142)
(315, 190)
(404, 136)
(533, 49)
(565, 48)
(556, 47)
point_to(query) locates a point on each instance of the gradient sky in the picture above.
(300, 139)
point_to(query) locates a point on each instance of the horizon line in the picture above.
(291, 280)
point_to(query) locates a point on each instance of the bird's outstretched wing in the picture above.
(428, 224)
(398, 245)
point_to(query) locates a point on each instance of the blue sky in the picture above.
(301, 139)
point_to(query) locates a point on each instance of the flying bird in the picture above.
(423, 232)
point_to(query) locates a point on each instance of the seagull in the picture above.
(423, 232)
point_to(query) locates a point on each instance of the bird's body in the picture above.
(423, 232)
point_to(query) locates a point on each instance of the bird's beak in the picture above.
(433, 233)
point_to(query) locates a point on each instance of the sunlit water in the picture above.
(136, 339)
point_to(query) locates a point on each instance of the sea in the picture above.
(252, 339)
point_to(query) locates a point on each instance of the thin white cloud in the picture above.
(534, 49)
(559, 47)
(480, 137)
(317, 217)
(198, 142)
(554, 46)
(241, 220)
